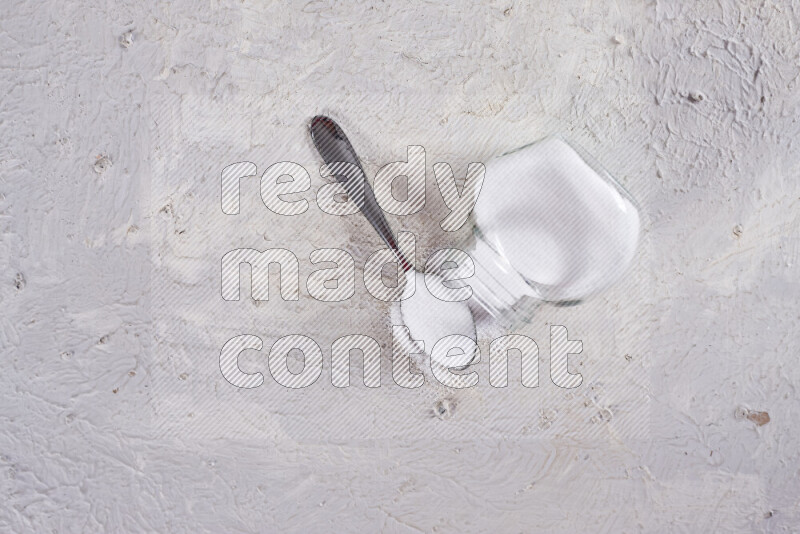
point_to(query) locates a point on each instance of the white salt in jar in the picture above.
(551, 225)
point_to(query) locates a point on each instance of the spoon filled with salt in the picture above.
(428, 318)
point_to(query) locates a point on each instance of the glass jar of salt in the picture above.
(551, 225)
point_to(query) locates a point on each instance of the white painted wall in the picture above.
(115, 121)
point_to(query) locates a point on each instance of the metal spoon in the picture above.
(337, 152)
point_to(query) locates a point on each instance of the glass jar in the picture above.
(551, 225)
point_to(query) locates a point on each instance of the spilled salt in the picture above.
(430, 319)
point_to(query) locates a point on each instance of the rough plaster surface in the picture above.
(694, 108)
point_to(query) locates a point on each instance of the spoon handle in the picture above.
(334, 147)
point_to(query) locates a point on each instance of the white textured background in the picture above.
(694, 108)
